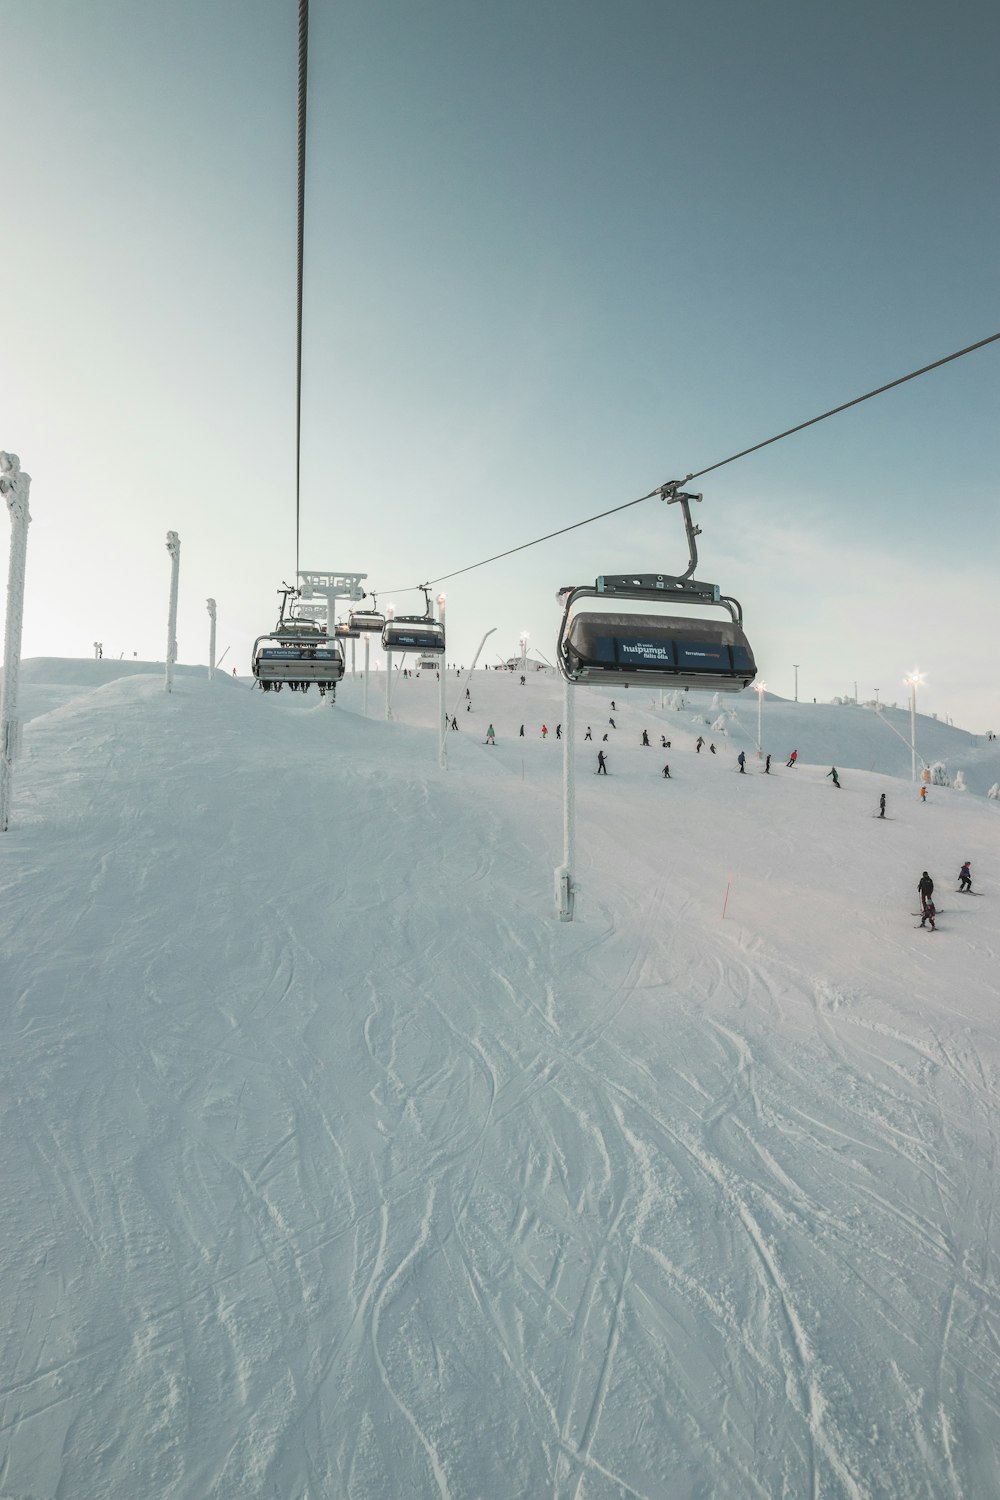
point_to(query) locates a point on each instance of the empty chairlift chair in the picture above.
(409, 633)
(650, 645)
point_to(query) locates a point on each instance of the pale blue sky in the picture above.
(555, 255)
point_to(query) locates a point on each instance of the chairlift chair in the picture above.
(296, 654)
(647, 647)
(409, 633)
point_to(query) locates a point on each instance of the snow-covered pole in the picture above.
(390, 614)
(565, 887)
(14, 486)
(524, 651)
(759, 689)
(442, 685)
(97, 650)
(174, 549)
(364, 700)
(912, 681)
(210, 605)
(353, 667)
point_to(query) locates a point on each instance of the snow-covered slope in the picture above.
(341, 1169)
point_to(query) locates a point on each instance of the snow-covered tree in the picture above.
(721, 725)
(939, 774)
(994, 792)
(960, 785)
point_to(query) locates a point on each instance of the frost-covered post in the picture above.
(914, 678)
(98, 650)
(759, 689)
(174, 549)
(210, 605)
(565, 887)
(442, 715)
(14, 486)
(364, 699)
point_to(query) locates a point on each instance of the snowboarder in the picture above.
(712, 748)
(925, 886)
(881, 806)
(742, 762)
(666, 772)
(602, 768)
(767, 766)
(490, 736)
(645, 738)
(588, 735)
(698, 744)
(965, 878)
(792, 758)
(836, 779)
(613, 724)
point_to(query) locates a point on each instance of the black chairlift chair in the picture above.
(408, 633)
(296, 654)
(646, 647)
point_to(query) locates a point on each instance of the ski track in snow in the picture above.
(347, 1171)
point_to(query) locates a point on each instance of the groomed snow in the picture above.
(337, 1168)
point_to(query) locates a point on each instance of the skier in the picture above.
(923, 794)
(521, 734)
(454, 723)
(522, 682)
(767, 766)
(664, 742)
(558, 731)
(605, 739)
(545, 731)
(792, 758)
(925, 886)
(645, 738)
(743, 762)
(965, 878)
(836, 780)
(698, 744)
(666, 772)
(613, 724)
(602, 768)
(928, 915)
(588, 735)
(467, 693)
(712, 748)
(881, 806)
(490, 736)
(613, 709)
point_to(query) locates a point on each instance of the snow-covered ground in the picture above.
(336, 1167)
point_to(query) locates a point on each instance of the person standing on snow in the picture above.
(925, 887)
(836, 780)
(928, 915)
(965, 878)
(588, 735)
(558, 731)
(602, 765)
(767, 766)
(881, 806)
(923, 794)
(545, 731)
(490, 736)
(645, 738)
(666, 772)
(698, 744)
(792, 758)
(521, 734)
(742, 762)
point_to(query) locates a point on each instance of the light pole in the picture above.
(211, 607)
(759, 688)
(442, 716)
(796, 665)
(390, 614)
(876, 698)
(912, 681)
(524, 651)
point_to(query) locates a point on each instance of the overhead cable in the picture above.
(303, 73)
(755, 448)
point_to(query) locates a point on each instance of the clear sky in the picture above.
(556, 254)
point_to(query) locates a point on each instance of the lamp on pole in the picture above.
(912, 682)
(796, 665)
(759, 688)
(524, 651)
